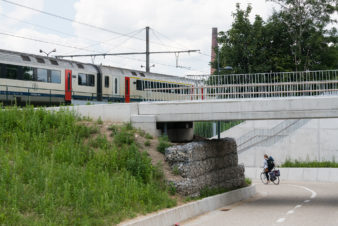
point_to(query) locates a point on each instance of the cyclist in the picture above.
(268, 166)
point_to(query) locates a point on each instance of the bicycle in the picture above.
(273, 175)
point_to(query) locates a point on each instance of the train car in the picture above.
(133, 85)
(34, 79)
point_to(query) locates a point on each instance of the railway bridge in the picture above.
(262, 96)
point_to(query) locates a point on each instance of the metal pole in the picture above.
(147, 50)
(218, 122)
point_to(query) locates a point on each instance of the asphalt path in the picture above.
(289, 203)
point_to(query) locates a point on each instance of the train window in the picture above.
(115, 85)
(106, 81)
(40, 60)
(12, 71)
(28, 73)
(25, 58)
(139, 85)
(54, 62)
(82, 79)
(133, 73)
(91, 80)
(55, 76)
(80, 66)
(42, 75)
(142, 74)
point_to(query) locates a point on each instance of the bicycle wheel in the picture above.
(263, 178)
(276, 182)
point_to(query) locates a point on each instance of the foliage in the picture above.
(248, 181)
(172, 188)
(99, 121)
(205, 129)
(147, 143)
(148, 136)
(206, 192)
(114, 129)
(314, 164)
(176, 171)
(163, 144)
(49, 176)
(294, 38)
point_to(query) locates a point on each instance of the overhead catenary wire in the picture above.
(76, 21)
(155, 32)
(78, 48)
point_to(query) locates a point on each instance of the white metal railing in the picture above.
(268, 137)
(260, 85)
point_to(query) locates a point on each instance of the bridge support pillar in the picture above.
(177, 131)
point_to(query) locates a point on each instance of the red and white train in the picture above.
(35, 79)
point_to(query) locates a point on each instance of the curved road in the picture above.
(290, 203)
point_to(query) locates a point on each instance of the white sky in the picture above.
(187, 24)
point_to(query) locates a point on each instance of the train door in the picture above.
(68, 85)
(127, 89)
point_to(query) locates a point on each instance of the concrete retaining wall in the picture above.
(299, 174)
(175, 215)
(107, 112)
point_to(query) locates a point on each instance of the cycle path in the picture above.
(289, 203)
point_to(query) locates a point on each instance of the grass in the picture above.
(163, 144)
(307, 164)
(248, 181)
(49, 176)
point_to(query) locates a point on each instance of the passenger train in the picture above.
(35, 79)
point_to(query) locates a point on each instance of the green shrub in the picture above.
(99, 121)
(163, 144)
(128, 126)
(172, 188)
(114, 129)
(148, 136)
(124, 137)
(248, 181)
(176, 171)
(147, 143)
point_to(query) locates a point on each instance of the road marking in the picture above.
(307, 201)
(290, 212)
(280, 220)
(298, 206)
(313, 193)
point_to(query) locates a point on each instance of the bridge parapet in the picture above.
(239, 86)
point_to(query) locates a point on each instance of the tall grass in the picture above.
(49, 175)
(308, 164)
(205, 129)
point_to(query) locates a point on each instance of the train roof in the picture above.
(39, 60)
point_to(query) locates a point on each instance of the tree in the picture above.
(307, 21)
(294, 38)
(243, 46)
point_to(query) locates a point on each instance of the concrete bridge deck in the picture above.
(242, 109)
